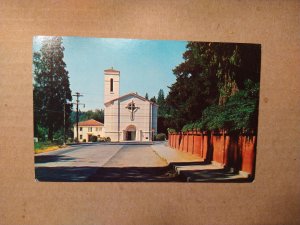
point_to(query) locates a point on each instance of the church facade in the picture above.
(129, 117)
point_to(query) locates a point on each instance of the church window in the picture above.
(90, 129)
(111, 85)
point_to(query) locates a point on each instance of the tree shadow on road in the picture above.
(51, 158)
(135, 174)
(107, 174)
(138, 174)
(220, 175)
(63, 174)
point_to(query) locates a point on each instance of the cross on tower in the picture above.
(132, 109)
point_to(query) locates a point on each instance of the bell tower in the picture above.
(111, 84)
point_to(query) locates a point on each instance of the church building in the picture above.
(129, 117)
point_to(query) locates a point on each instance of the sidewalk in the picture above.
(193, 168)
(173, 156)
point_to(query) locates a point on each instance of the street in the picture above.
(102, 162)
(124, 162)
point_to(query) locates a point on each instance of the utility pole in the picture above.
(65, 119)
(77, 95)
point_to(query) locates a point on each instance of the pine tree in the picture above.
(161, 103)
(51, 87)
(153, 99)
(160, 97)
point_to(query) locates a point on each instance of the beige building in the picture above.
(89, 128)
(129, 117)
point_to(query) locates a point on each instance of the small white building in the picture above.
(129, 117)
(89, 128)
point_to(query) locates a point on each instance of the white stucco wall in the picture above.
(95, 131)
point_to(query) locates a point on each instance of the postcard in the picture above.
(130, 110)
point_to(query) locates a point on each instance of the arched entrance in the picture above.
(130, 133)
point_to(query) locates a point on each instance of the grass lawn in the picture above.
(40, 147)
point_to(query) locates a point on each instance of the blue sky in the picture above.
(145, 65)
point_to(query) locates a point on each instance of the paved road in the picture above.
(88, 155)
(80, 163)
(135, 156)
(123, 162)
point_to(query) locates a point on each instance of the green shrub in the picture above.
(58, 137)
(188, 127)
(238, 114)
(171, 130)
(184, 128)
(199, 125)
(94, 138)
(58, 142)
(38, 145)
(160, 137)
(43, 145)
(102, 139)
(42, 132)
(69, 141)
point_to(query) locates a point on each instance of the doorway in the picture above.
(89, 138)
(130, 133)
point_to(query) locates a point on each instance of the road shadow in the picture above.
(64, 174)
(135, 174)
(215, 176)
(51, 158)
(139, 174)
(107, 174)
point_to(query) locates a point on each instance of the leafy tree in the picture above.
(239, 114)
(241, 109)
(146, 96)
(98, 115)
(194, 89)
(210, 74)
(51, 87)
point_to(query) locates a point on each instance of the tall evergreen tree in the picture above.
(161, 103)
(163, 113)
(160, 97)
(147, 96)
(153, 99)
(51, 86)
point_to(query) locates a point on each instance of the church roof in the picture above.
(111, 71)
(90, 123)
(131, 94)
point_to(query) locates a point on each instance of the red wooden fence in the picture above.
(233, 151)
